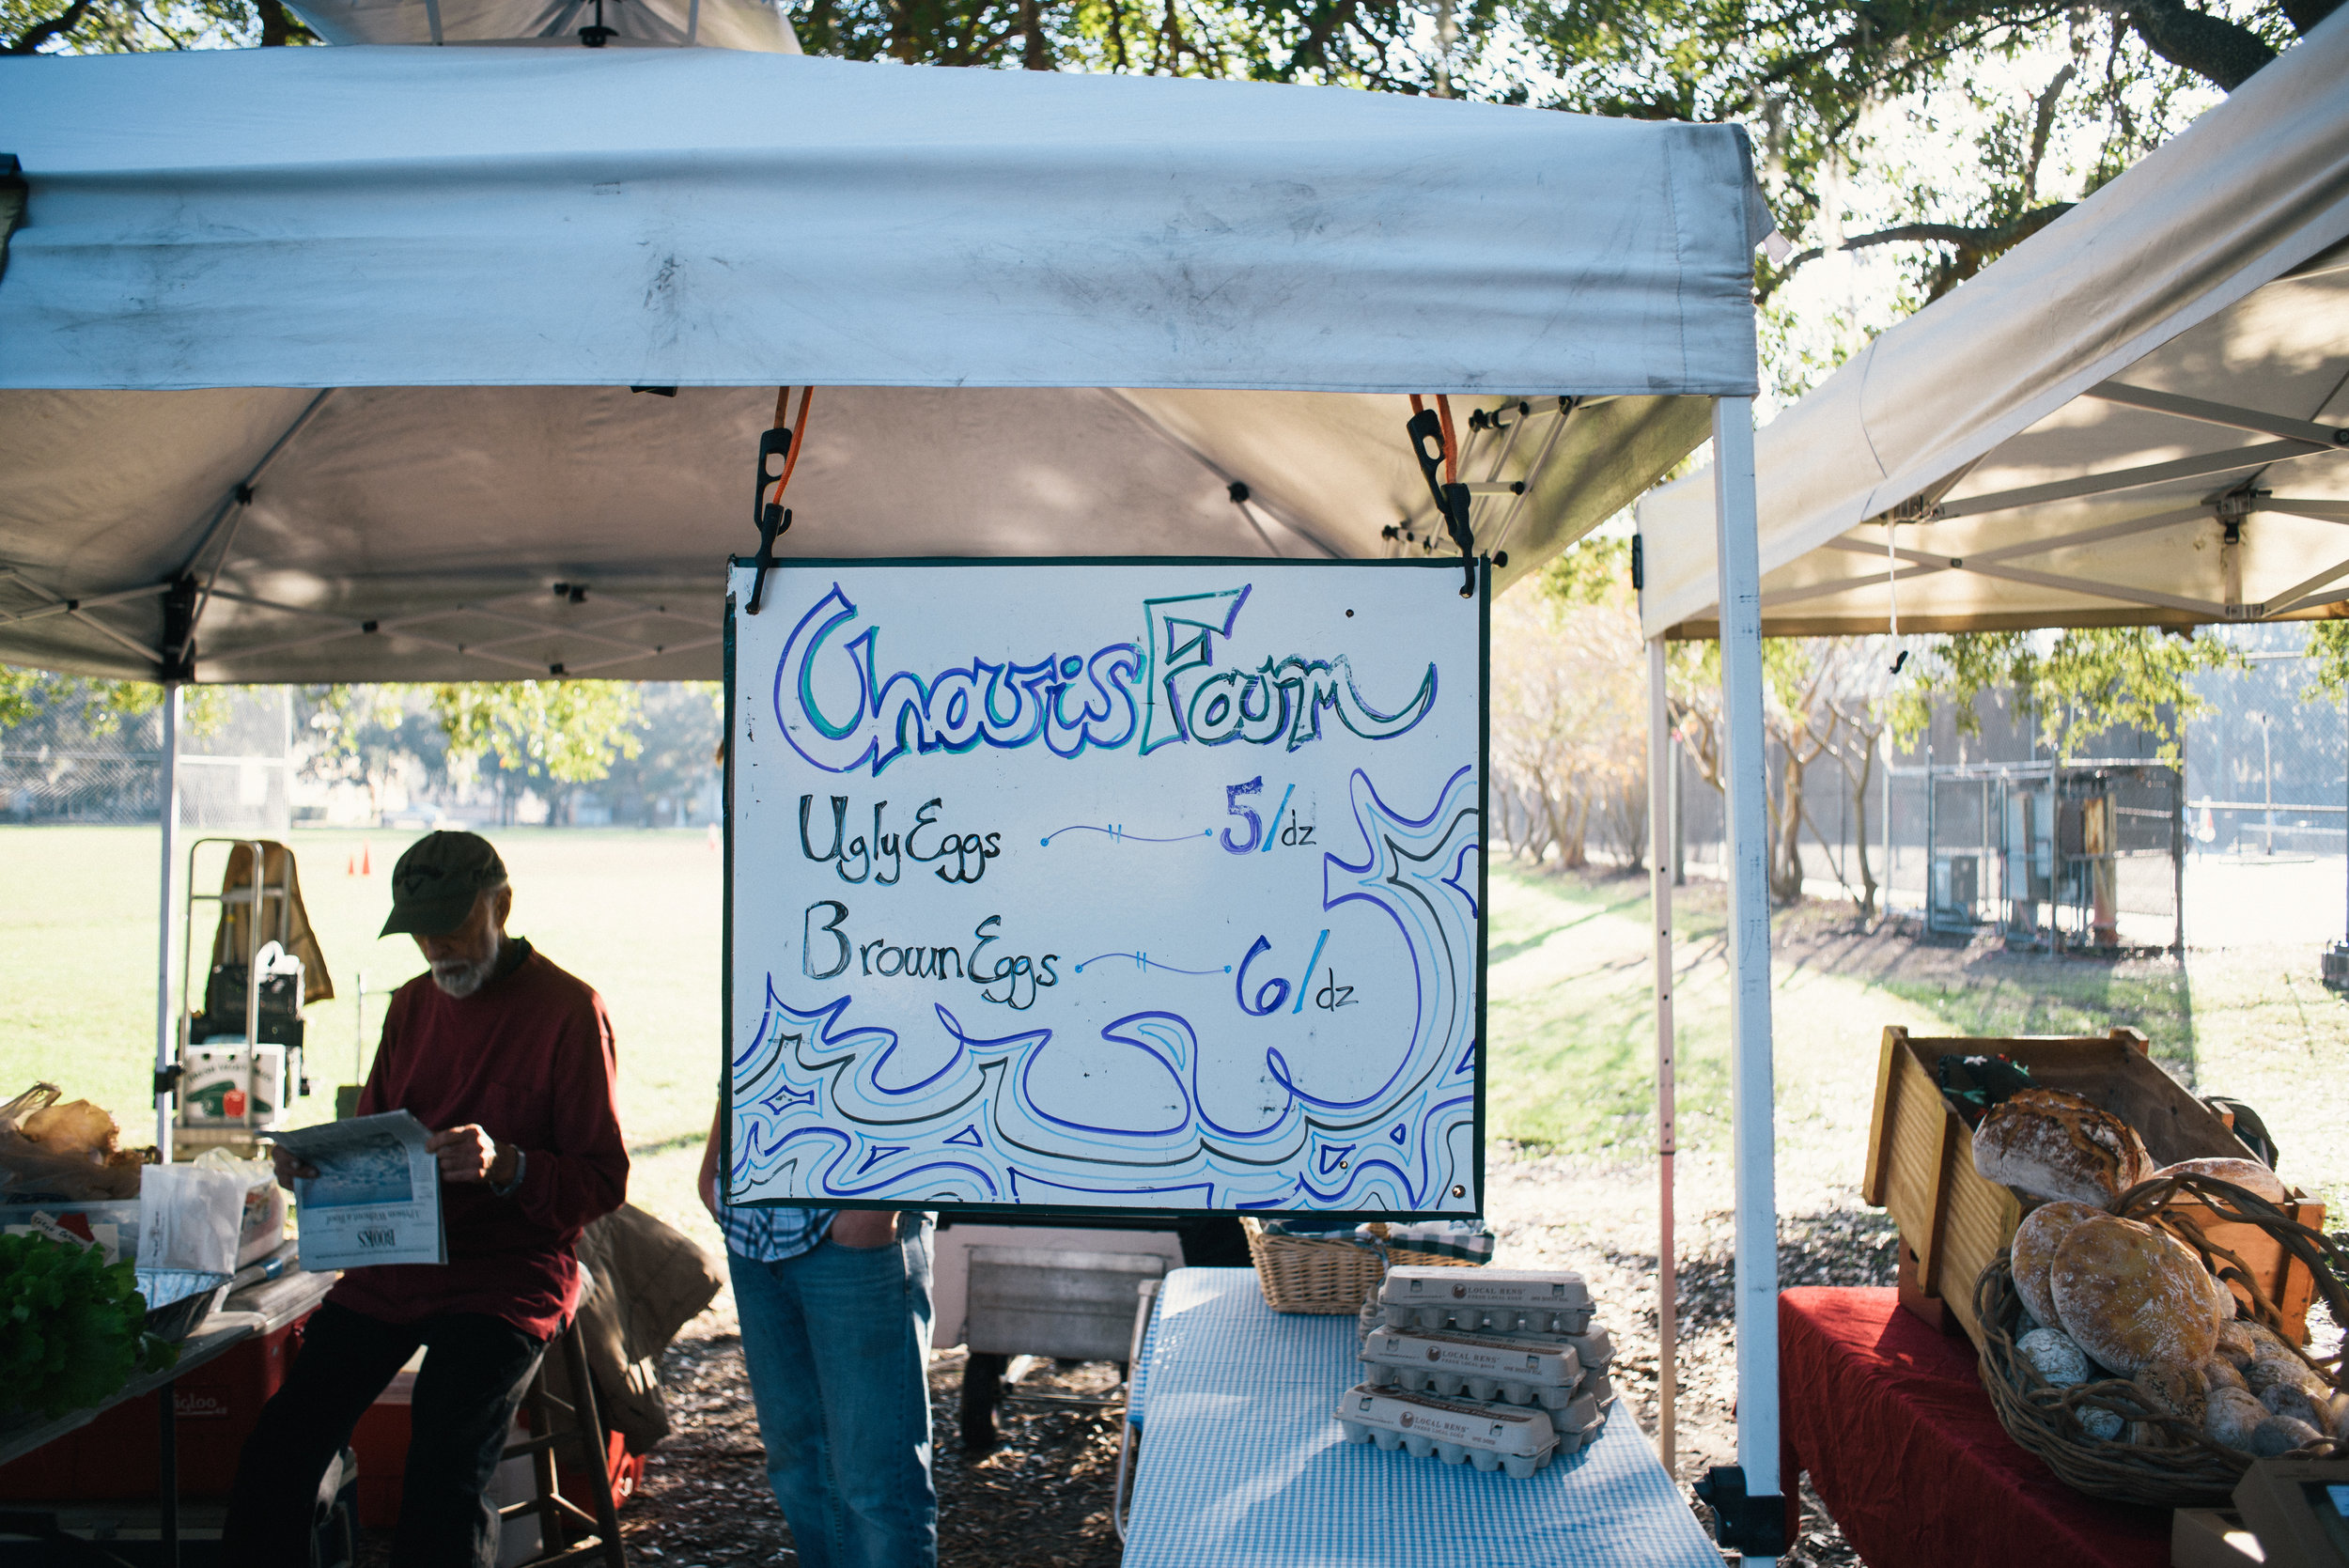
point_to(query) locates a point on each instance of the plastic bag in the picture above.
(190, 1219)
(63, 1152)
(262, 1231)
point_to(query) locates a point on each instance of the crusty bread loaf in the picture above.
(2280, 1434)
(2220, 1373)
(2055, 1144)
(2249, 1174)
(2234, 1417)
(2036, 1239)
(2051, 1352)
(2179, 1391)
(2132, 1297)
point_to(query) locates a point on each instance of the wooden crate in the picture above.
(1920, 1162)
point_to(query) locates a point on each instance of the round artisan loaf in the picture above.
(2249, 1174)
(2220, 1373)
(2131, 1295)
(2055, 1144)
(2036, 1239)
(2181, 1391)
(2063, 1363)
(2233, 1418)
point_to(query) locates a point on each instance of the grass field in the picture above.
(636, 914)
(1572, 1064)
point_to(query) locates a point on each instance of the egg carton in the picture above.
(1479, 1367)
(1490, 1438)
(1599, 1387)
(1487, 1300)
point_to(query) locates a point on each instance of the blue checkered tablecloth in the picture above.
(1243, 1465)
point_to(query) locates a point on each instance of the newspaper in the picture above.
(376, 1198)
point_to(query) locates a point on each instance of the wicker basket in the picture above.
(2189, 1469)
(1326, 1276)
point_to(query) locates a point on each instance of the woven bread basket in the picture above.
(2186, 1469)
(1323, 1275)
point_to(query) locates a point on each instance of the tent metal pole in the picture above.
(167, 1026)
(1737, 552)
(1660, 857)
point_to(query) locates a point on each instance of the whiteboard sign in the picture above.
(1122, 885)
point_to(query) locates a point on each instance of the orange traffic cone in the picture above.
(350, 865)
(367, 861)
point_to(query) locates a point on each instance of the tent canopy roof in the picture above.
(2135, 416)
(480, 250)
(757, 24)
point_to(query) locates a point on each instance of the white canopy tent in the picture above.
(316, 364)
(755, 24)
(2139, 415)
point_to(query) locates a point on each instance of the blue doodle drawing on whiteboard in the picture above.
(826, 1107)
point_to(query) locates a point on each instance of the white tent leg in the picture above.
(1740, 567)
(167, 1026)
(1659, 820)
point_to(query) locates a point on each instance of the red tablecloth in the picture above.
(1890, 1418)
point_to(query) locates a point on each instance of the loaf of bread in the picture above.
(2235, 1419)
(2220, 1373)
(2051, 1143)
(2132, 1297)
(2280, 1435)
(2268, 1346)
(2036, 1239)
(2300, 1403)
(2179, 1391)
(2051, 1352)
(2249, 1174)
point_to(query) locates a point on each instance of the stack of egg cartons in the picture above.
(1498, 1368)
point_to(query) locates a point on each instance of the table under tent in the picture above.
(2138, 416)
(398, 363)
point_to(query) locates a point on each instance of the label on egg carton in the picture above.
(1490, 1438)
(1556, 1325)
(1552, 1288)
(1480, 1367)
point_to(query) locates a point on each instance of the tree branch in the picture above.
(2218, 51)
(42, 32)
(1976, 245)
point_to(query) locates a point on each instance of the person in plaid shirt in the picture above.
(835, 1311)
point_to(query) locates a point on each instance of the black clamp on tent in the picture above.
(1452, 501)
(774, 519)
(1742, 1523)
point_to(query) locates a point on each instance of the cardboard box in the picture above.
(226, 1080)
(1921, 1163)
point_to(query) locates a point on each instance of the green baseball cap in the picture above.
(436, 881)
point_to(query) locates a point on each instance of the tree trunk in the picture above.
(1860, 779)
(1786, 827)
(1035, 51)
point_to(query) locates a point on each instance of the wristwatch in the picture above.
(522, 1167)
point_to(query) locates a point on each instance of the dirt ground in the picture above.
(1042, 1498)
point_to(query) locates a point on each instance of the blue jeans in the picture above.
(838, 1342)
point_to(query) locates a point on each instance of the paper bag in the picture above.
(190, 1219)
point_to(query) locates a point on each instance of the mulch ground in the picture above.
(1041, 1498)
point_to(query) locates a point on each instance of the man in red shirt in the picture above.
(510, 1060)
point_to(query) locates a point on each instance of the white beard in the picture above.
(460, 979)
